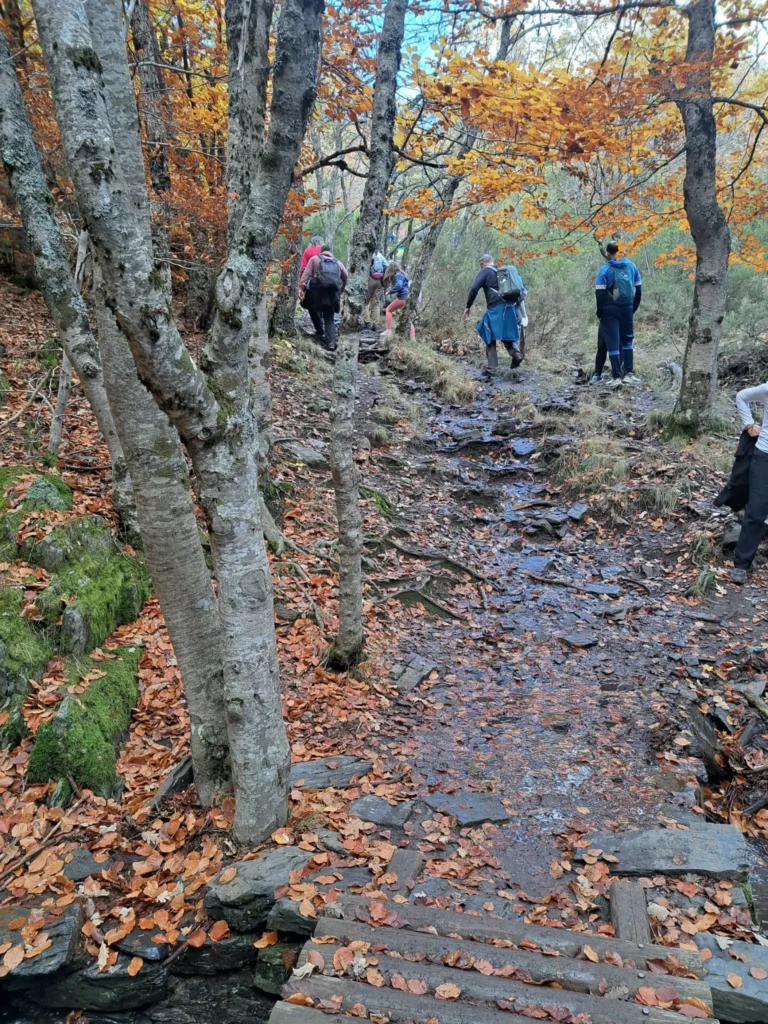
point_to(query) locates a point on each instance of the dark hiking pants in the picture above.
(756, 512)
(616, 336)
(322, 306)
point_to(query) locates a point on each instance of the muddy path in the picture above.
(557, 687)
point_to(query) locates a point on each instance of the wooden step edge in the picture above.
(471, 1009)
(629, 912)
(573, 975)
(566, 941)
(425, 1009)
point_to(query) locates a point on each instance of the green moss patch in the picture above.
(47, 491)
(72, 541)
(14, 728)
(81, 739)
(24, 651)
(93, 597)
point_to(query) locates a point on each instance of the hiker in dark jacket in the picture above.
(320, 286)
(757, 505)
(500, 321)
(618, 293)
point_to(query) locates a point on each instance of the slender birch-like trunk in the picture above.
(210, 405)
(24, 171)
(707, 222)
(346, 478)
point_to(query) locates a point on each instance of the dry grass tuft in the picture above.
(448, 379)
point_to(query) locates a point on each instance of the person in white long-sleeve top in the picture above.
(757, 506)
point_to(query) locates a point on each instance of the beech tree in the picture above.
(346, 479)
(148, 465)
(209, 405)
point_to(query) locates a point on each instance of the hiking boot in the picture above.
(630, 378)
(517, 358)
(738, 576)
(331, 346)
(596, 378)
(615, 383)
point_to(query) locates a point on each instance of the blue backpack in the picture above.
(623, 291)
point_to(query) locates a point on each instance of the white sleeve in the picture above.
(745, 398)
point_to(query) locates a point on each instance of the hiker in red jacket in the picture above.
(320, 286)
(314, 248)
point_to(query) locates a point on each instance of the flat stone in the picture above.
(579, 639)
(285, 916)
(333, 771)
(113, 989)
(176, 781)
(468, 808)
(603, 589)
(719, 851)
(578, 511)
(230, 954)
(523, 446)
(82, 866)
(756, 687)
(407, 677)
(63, 931)
(373, 808)
(536, 563)
(737, 1005)
(310, 456)
(139, 943)
(245, 902)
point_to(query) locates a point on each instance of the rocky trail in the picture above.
(546, 707)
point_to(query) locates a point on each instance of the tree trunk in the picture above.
(248, 25)
(158, 117)
(171, 540)
(708, 225)
(261, 393)
(11, 12)
(346, 479)
(62, 298)
(409, 314)
(62, 400)
(505, 40)
(209, 407)
(283, 319)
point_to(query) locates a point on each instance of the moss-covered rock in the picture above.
(14, 728)
(46, 491)
(93, 597)
(271, 971)
(81, 739)
(71, 542)
(24, 651)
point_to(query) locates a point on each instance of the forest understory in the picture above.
(548, 625)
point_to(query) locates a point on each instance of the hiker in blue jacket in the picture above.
(500, 321)
(618, 292)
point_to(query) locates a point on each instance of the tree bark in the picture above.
(505, 39)
(346, 479)
(707, 222)
(158, 118)
(248, 27)
(62, 400)
(171, 540)
(62, 298)
(283, 319)
(261, 392)
(11, 12)
(210, 407)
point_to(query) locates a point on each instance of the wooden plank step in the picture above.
(479, 999)
(574, 975)
(629, 912)
(406, 864)
(564, 940)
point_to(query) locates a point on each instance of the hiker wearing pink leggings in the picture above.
(397, 286)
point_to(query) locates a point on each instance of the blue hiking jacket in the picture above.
(606, 279)
(401, 288)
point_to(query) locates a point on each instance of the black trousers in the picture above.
(321, 307)
(756, 511)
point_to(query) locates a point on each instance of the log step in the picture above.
(477, 970)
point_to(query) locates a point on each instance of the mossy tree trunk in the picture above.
(209, 406)
(346, 479)
(62, 296)
(707, 222)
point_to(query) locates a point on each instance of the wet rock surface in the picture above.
(245, 902)
(338, 771)
(718, 851)
(63, 931)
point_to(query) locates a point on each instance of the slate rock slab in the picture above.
(112, 989)
(333, 771)
(245, 902)
(82, 866)
(229, 954)
(373, 808)
(536, 563)
(311, 457)
(737, 1005)
(579, 639)
(63, 932)
(139, 943)
(603, 589)
(407, 677)
(523, 446)
(468, 808)
(177, 780)
(718, 851)
(577, 512)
